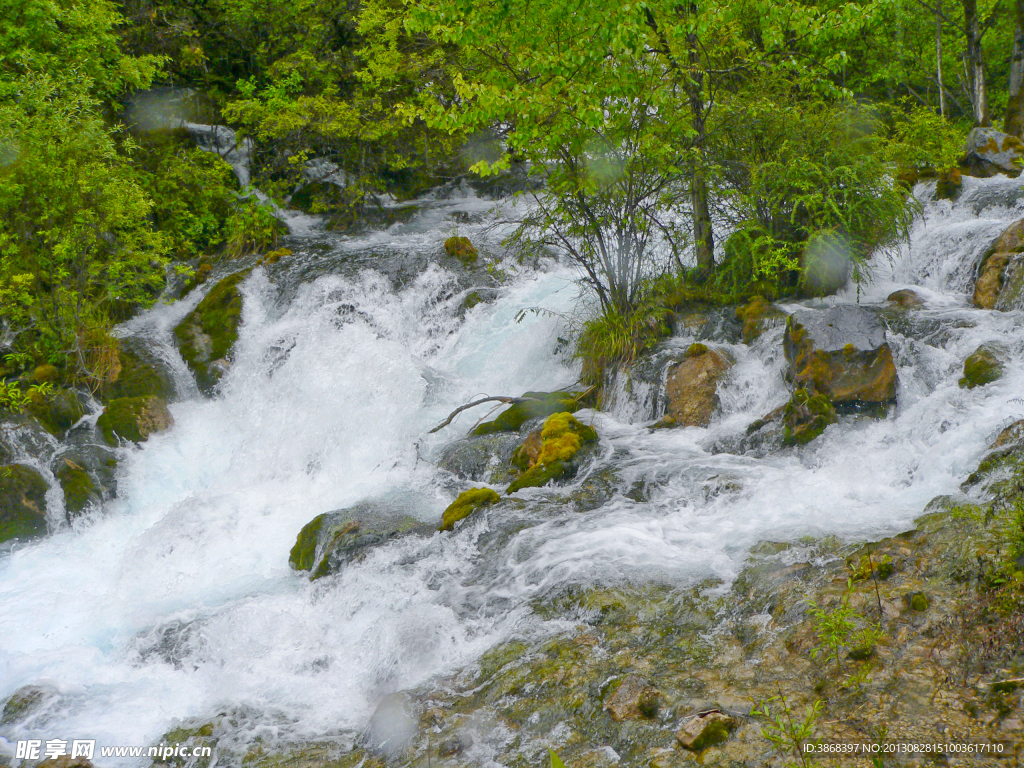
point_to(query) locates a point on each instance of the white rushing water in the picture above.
(177, 600)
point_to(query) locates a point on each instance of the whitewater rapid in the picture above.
(176, 602)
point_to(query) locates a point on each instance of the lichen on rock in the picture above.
(133, 418)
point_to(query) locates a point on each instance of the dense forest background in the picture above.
(796, 128)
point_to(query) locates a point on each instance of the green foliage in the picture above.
(14, 399)
(843, 629)
(617, 338)
(922, 140)
(786, 730)
(556, 761)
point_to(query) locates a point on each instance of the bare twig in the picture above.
(461, 408)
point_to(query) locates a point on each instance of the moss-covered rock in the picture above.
(22, 503)
(981, 367)
(331, 540)
(534, 405)
(208, 333)
(23, 702)
(46, 374)
(135, 376)
(705, 730)
(561, 439)
(632, 697)
(948, 184)
(466, 504)
(134, 419)
(691, 389)
(1000, 280)
(842, 353)
(58, 411)
(461, 249)
(905, 298)
(757, 316)
(80, 490)
(805, 417)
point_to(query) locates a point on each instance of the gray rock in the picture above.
(483, 458)
(989, 151)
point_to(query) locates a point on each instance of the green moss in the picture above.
(696, 350)
(58, 412)
(21, 703)
(136, 378)
(46, 373)
(461, 249)
(805, 417)
(303, 554)
(714, 733)
(207, 334)
(918, 601)
(22, 503)
(980, 368)
(79, 488)
(539, 405)
(562, 437)
(466, 504)
(133, 418)
(472, 299)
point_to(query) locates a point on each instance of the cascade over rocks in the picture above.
(208, 332)
(134, 419)
(757, 316)
(22, 503)
(692, 385)
(1000, 283)
(989, 151)
(331, 540)
(841, 353)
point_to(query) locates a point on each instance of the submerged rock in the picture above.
(841, 353)
(981, 367)
(706, 729)
(1000, 282)
(331, 540)
(692, 386)
(134, 419)
(208, 332)
(537, 405)
(989, 151)
(559, 454)
(22, 503)
(466, 504)
(632, 698)
(905, 299)
(24, 702)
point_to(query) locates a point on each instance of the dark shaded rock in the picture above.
(1000, 281)
(905, 299)
(208, 332)
(560, 454)
(485, 458)
(692, 387)
(948, 184)
(331, 540)
(22, 503)
(981, 367)
(466, 504)
(705, 730)
(539, 405)
(456, 745)
(80, 490)
(842, 353)
(134, 419)
(632, 698)
(805, 417)
(57, 412)
(989, 152)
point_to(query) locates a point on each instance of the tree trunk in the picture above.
(975, 65)
(1014, 124)
(938, 57)
(703, 238)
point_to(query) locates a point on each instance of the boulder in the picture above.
(805, 417)
(560, 455)
(461, 249)
(134, 419)
(208, 333)
(135, 376)
(841, 353)
(333, 539)
(757, 316)
(705, 730)
(905, 299)
(482, 459)
(58, 411)
(1000, 282)
(989, 151)
(981, 367)
(23, 702)
(633, 698)
(80, 490)
(692, 387)
(535, 405)
(466, 504)
(22, 503)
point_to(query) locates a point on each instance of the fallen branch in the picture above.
(461, 408)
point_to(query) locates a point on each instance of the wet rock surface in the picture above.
(841, 353)
(1000, 281)
(990, 151)
(692, 386)
(207, 334)
(133, 419)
